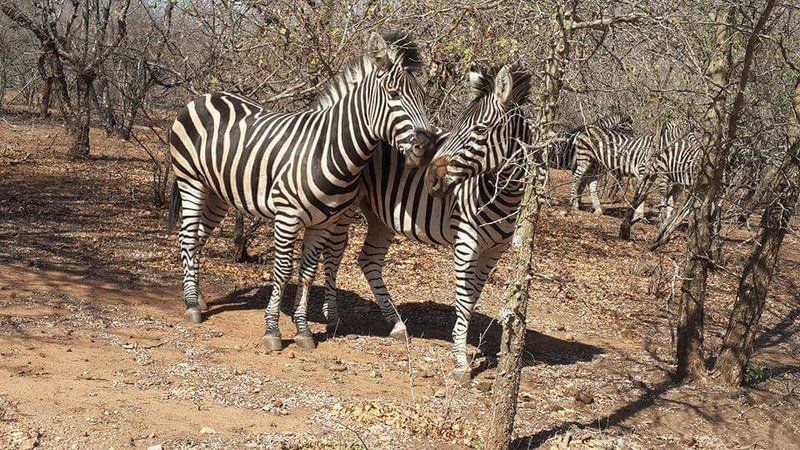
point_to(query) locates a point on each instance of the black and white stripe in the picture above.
(561, 154)
(467, 199)
(300, 169)
(599, 150)
(674, 170)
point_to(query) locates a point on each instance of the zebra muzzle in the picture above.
(435, 180)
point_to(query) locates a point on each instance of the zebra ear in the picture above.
(479, 82)
(503, 85)
(378, 50)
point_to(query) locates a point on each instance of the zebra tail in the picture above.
(174, 204)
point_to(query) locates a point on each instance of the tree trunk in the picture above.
(689, 354)
(737, 345)
(47, 86)
(513, 316)
(80, 122)
(720, 133)
(240, 240)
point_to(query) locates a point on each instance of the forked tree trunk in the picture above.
(737, 345)
(721, 131)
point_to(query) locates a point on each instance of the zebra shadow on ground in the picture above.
(424, 320)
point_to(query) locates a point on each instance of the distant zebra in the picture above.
(561, 154)
(467, 199)
(300, 169)
(600, 150)
(674, 170)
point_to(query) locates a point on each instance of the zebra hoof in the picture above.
(399, 332)
(193, 315)
(462, 376)
(305, 341)
(273, 343)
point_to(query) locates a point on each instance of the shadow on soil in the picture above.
(424, 320)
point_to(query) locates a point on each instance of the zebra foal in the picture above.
(300, 169)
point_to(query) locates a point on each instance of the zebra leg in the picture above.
(577, 185)
(370, 259)
(598, 210)
(214, 210)
(201, 212)
(286, 231)
(471, 274)
(669, 193)
(313, 242)
(332, 255)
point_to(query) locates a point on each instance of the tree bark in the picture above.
(720, 132)
(737, 345)
(240, 240)
(513, 316)
(80, 122)
(690, 355)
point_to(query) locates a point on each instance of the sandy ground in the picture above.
(94, 353)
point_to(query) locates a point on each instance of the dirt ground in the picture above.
(94, 352)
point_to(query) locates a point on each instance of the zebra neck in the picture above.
(347, 141)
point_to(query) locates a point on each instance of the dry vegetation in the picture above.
(93, 351)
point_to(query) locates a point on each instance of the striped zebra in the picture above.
(467, 199)
(561, 154)
(300, 169)
(599, 150)
(674, 171)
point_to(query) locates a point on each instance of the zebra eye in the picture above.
(394, 95)
(480, 129)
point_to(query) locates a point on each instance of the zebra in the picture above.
(674, 170)
(561, 154)
(300, 169)
(466, 199)
(615, 151)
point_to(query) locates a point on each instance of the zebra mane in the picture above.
(340, 84)
(401, 47)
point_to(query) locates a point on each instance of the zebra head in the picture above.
(487, 135)
(399, 98)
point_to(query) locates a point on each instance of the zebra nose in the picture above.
(435, 177)
(422, 146)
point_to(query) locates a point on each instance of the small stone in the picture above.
(156, 447)
(483, 385)
(569, 337)
(561, 328)
(278, 403)
(440, 393)
(584, 397)
(291, 355)
(689, 442)
(207, 430)
(337, 367)
(352, 337)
